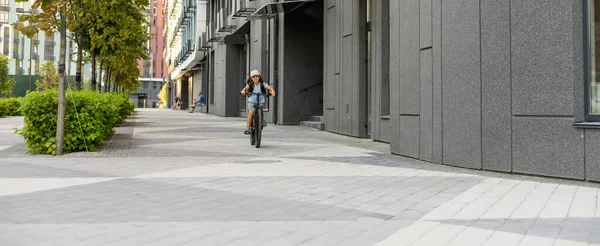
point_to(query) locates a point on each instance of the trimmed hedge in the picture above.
(98, 115)
(10, 107)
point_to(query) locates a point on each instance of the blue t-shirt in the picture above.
(201, 99)
(252, 98)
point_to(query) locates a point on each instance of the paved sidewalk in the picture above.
(174, 178)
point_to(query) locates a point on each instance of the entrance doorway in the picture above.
(303, 63)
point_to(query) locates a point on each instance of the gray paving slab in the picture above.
(172, 178)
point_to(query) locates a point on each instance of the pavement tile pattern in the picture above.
(173, 178)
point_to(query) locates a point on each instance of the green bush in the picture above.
(95, 114)
(10, 107)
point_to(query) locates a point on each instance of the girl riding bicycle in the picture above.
(255, 85)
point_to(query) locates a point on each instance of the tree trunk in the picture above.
(93, 70)
(79, 60)
(100, 75)
(62, 102)
(107, 81)
(116, 83)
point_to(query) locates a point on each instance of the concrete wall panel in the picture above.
(330, 3)
(359, 74)
(426, 119)
(578, 62)
(409, 58)
(376, 79)
(496, 85)
(548, 146)
(347, 17)
(346, 85)
(425, 25)
(329, 27)
(592, 154)
(461, 86)
(542, 57)
(409, 131)
(436, 16)
(394, 67)
(331, 30)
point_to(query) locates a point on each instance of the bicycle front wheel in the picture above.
(258, 127)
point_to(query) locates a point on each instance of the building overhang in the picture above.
(187, 65)
(239, 36)
(271, 10)
(151, 79)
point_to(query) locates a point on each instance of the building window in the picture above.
(3, 2)
(592, 87)
(3, 16)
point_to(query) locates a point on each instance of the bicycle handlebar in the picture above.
(258, 94)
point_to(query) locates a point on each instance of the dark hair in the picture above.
(250, 82)
(260, 81)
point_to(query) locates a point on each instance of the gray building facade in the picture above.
(499, 85)
(495, 85)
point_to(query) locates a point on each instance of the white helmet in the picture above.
(254, 73)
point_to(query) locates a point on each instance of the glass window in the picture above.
(3, 2)
(593, 82)
(3, 16)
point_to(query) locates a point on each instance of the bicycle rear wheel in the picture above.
(258, 127)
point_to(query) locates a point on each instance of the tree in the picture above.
(119, 36)
(79, 19)
(6, 84)
(162, 95)
(52, 18)
(49, 77)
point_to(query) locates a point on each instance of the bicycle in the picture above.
(256, 132)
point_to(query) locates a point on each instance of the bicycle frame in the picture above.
(256, 125)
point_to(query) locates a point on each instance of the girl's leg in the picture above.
(249, 120)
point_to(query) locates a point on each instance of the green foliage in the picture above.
(6, 84)
(49, 77)
(97, 114)
(10, 107)
(46, 20)
(119, 33)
